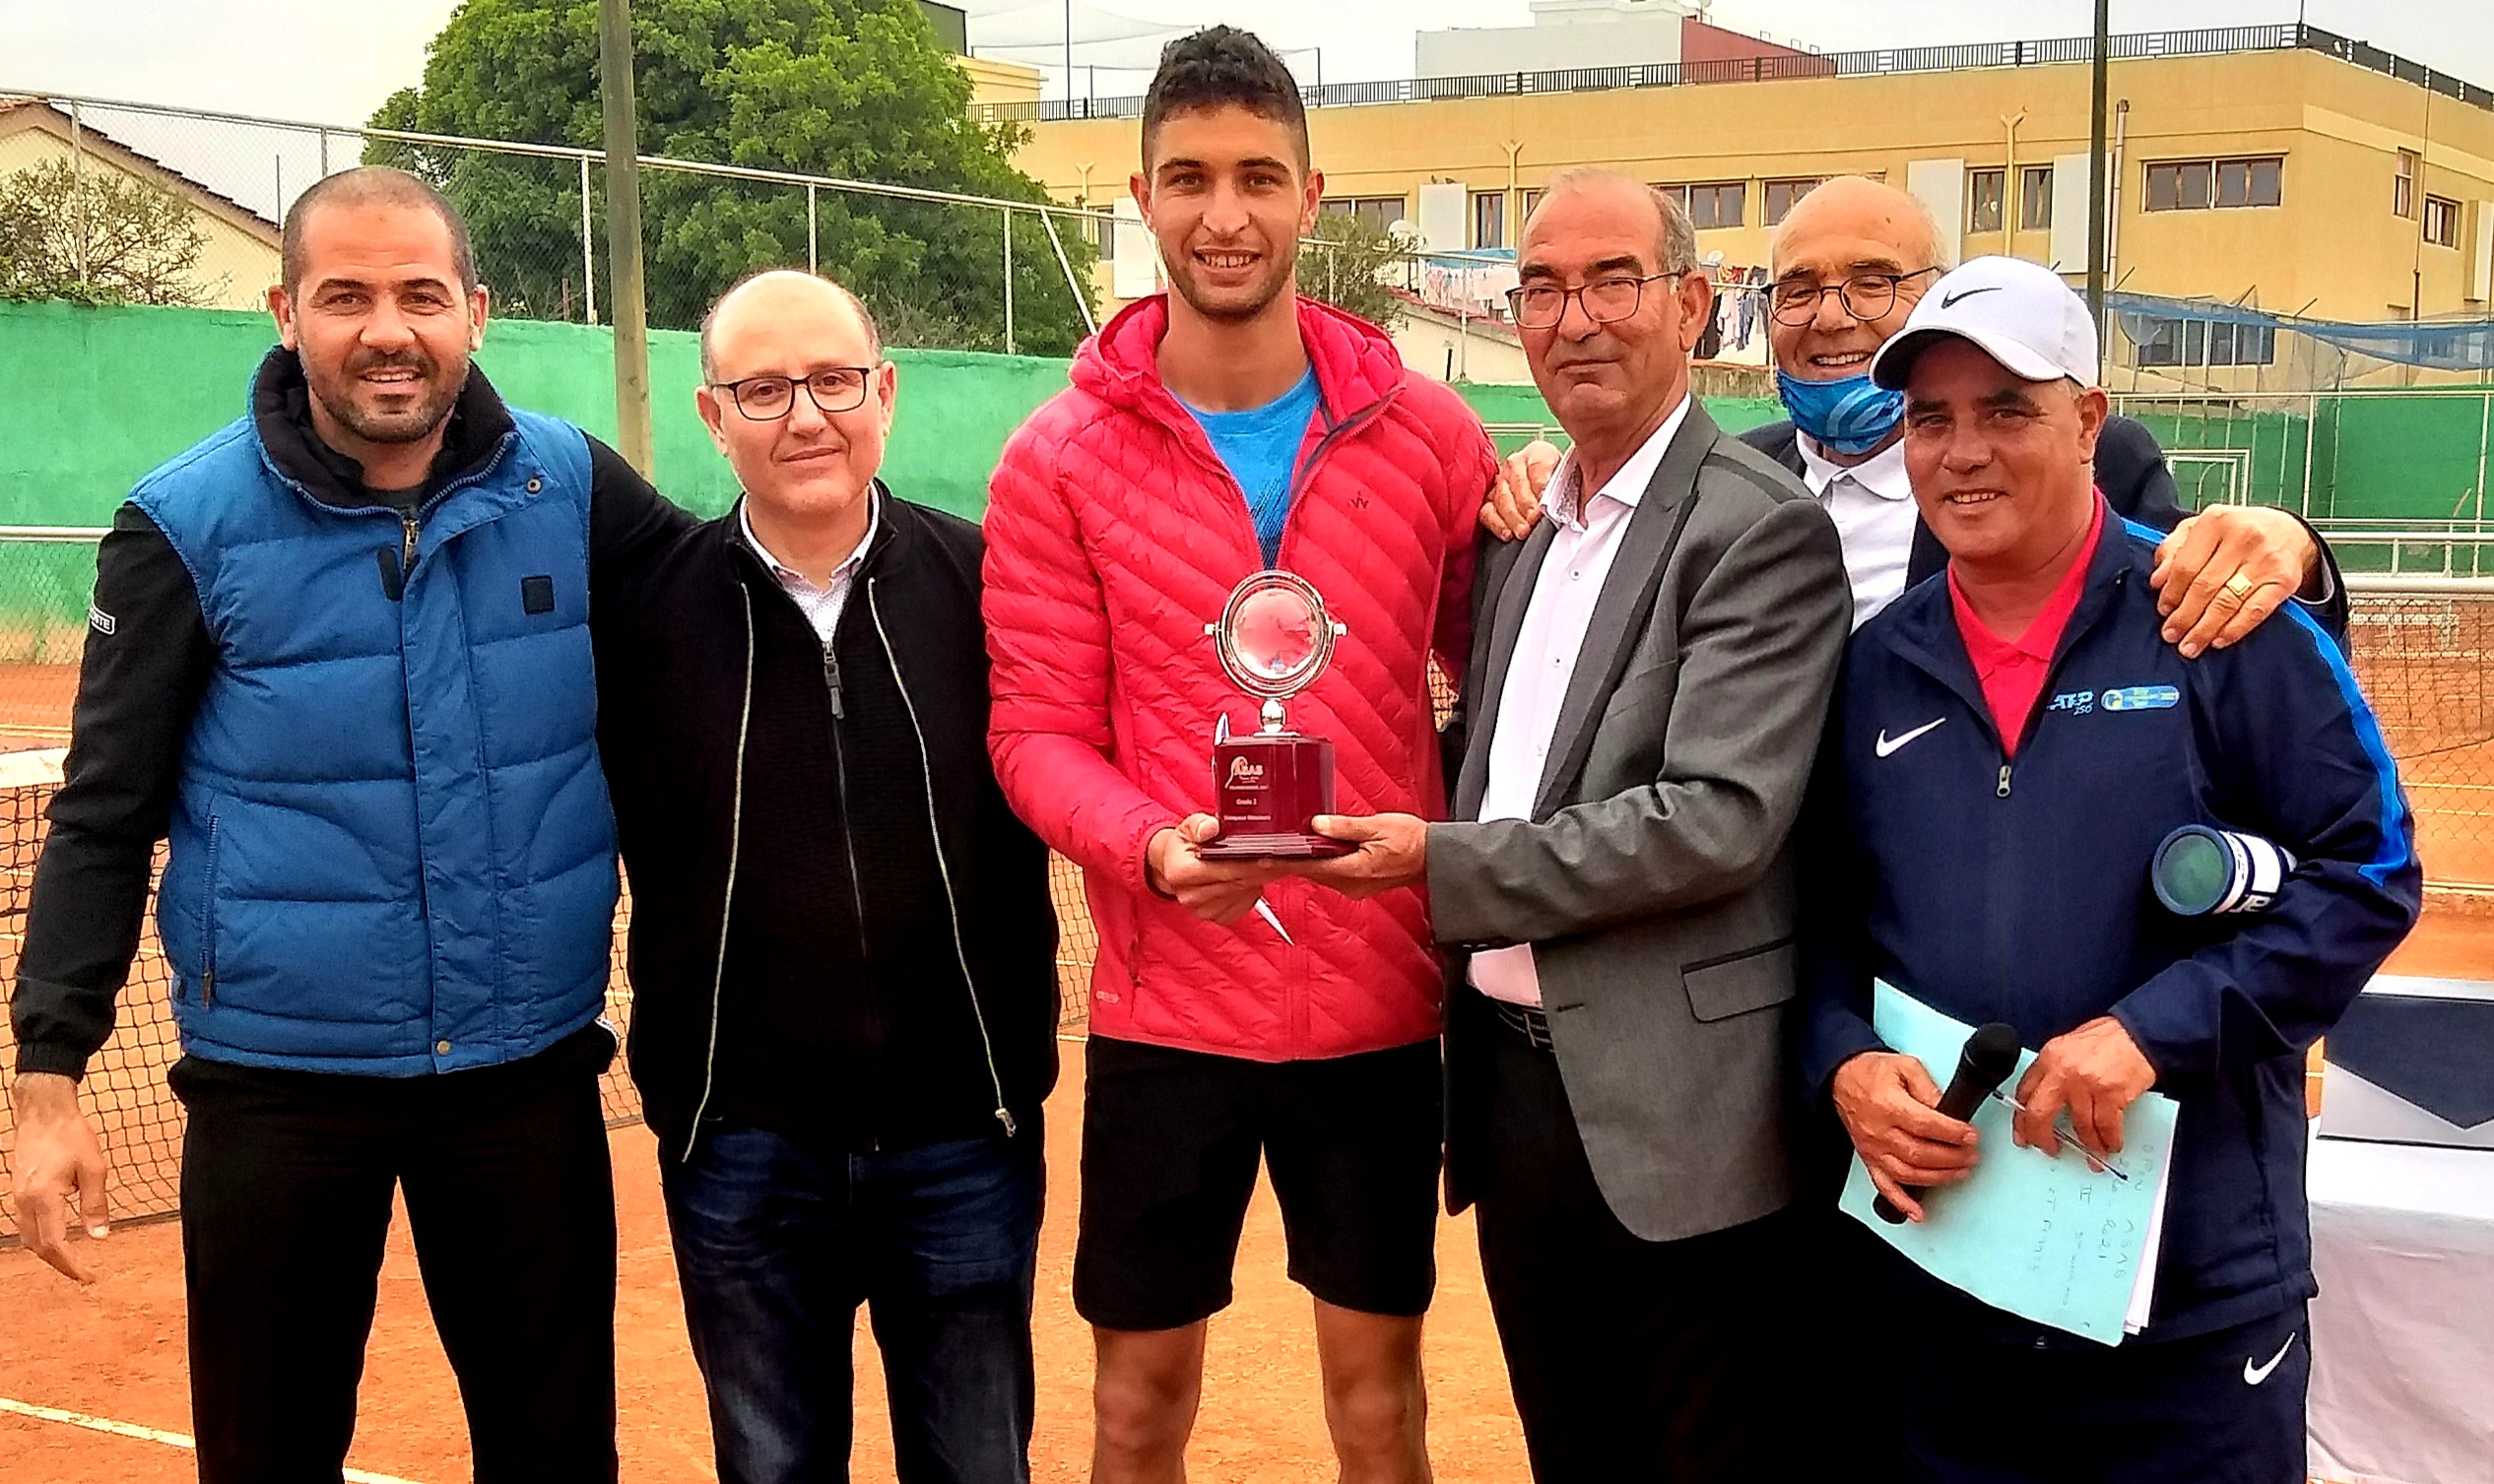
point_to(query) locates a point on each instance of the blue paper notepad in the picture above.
(2051, 1239)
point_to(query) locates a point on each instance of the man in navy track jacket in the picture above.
(2009, 749)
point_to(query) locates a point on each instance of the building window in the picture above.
(2199, 343)
(1781, 195)
(1713, 204)
(1379, 212)
(2442, 222)
(2190, 185)
(1489, 218)
(1531, 200)
(2403, 185)
(1983, 199)
(2035, 198)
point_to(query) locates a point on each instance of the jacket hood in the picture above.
(1355, 361)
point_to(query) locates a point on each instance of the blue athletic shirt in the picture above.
(1261, 446)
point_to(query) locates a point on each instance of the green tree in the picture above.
(847, 89)
(97, 236)
(1349, 261)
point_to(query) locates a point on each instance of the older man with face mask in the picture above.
(842, 949)
(1848, 264)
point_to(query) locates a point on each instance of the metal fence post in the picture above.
(623, 232)
(588, 249)
(1009, 279)
(77, 192)
(813, 260)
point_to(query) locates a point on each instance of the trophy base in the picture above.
(1289, 846)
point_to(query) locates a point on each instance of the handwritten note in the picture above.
(2051, 1239)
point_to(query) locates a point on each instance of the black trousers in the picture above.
(286, 1181)
(1631, 1360)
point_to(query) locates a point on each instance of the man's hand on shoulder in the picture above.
(2227, 570)
(1514, 502)
(59, 1165)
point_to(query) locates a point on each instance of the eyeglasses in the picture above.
(1865, 295)
(768, 399)
(1540, 307)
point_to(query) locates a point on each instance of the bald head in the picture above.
(771, 296)
(1862, 210)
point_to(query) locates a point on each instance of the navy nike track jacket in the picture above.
(1994, 889)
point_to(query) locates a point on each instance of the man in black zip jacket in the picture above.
(842, 946)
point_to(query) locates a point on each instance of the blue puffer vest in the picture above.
(391, 852)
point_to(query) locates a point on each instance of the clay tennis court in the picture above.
(107, 1364)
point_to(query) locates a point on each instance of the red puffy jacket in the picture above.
(1114, 535)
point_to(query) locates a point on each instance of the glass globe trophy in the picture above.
(1274, 639)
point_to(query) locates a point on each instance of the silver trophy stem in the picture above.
(1270, 717)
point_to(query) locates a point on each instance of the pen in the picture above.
(2061, 1130)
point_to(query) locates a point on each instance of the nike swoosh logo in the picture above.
(1951, 300)
(1887, 745)
(2253, 1374)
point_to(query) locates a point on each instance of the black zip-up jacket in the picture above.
(136, 702)
(838, 928)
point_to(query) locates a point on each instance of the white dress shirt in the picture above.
(1873, 505)
(822, 603)
(1585, 537)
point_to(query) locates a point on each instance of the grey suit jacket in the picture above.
(1654, 880)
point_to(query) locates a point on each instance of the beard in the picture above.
(1256, 299)
(408, 415)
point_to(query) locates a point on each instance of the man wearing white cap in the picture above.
(2009, 749)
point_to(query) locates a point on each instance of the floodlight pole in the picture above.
(2096, 182)
(629, 309)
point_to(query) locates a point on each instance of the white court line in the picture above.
(148, 1434)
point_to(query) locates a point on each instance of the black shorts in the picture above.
(1170, 1143)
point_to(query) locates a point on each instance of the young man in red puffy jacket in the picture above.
(1225, 427)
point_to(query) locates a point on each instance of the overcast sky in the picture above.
(329, 62)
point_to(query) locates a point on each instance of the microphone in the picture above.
(1991, 1055)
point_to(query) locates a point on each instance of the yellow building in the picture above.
(2260, 168)
(240, 258)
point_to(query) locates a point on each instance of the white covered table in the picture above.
(2402, 1335)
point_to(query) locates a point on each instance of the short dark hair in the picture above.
(1223, 65)
(375, 185)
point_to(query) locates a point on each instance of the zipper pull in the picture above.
(1007, 1119)
(407, 547)
(208, 987)
(2003, 792)
(831, 679)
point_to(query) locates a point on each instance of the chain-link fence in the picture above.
(941, 268)
(2422, 650)
(2395, 480)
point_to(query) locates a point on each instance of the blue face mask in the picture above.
(1850, 416)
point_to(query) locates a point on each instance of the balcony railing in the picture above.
(1965, 57)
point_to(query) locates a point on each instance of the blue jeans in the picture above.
(777, 1244)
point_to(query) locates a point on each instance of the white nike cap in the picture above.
(2019, 313)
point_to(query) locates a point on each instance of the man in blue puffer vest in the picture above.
(339, 659)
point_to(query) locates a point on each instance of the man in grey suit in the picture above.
(1654, 666)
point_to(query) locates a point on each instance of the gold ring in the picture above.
(2240, 586)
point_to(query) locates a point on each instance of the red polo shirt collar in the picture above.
(2012, 670)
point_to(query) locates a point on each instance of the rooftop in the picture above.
(2131, 47)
